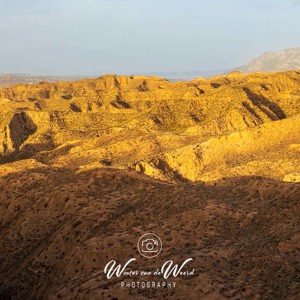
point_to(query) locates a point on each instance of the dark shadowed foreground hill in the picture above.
(59, 228)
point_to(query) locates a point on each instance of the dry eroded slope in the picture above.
(201, 130)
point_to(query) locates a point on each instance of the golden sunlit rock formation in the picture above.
(211, 165)
(202, 130)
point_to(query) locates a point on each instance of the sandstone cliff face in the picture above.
(233, 154)
(16, 132)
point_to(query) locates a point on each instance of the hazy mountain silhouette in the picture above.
(270, 61)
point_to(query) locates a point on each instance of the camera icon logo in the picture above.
(149, 245)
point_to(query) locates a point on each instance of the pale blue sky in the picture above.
(93, 37)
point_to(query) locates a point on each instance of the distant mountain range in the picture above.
(13, 79)
(285, 60)
(184, 76)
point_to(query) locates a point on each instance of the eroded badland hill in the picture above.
(211, 165)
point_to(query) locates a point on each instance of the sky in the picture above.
(94, 37)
